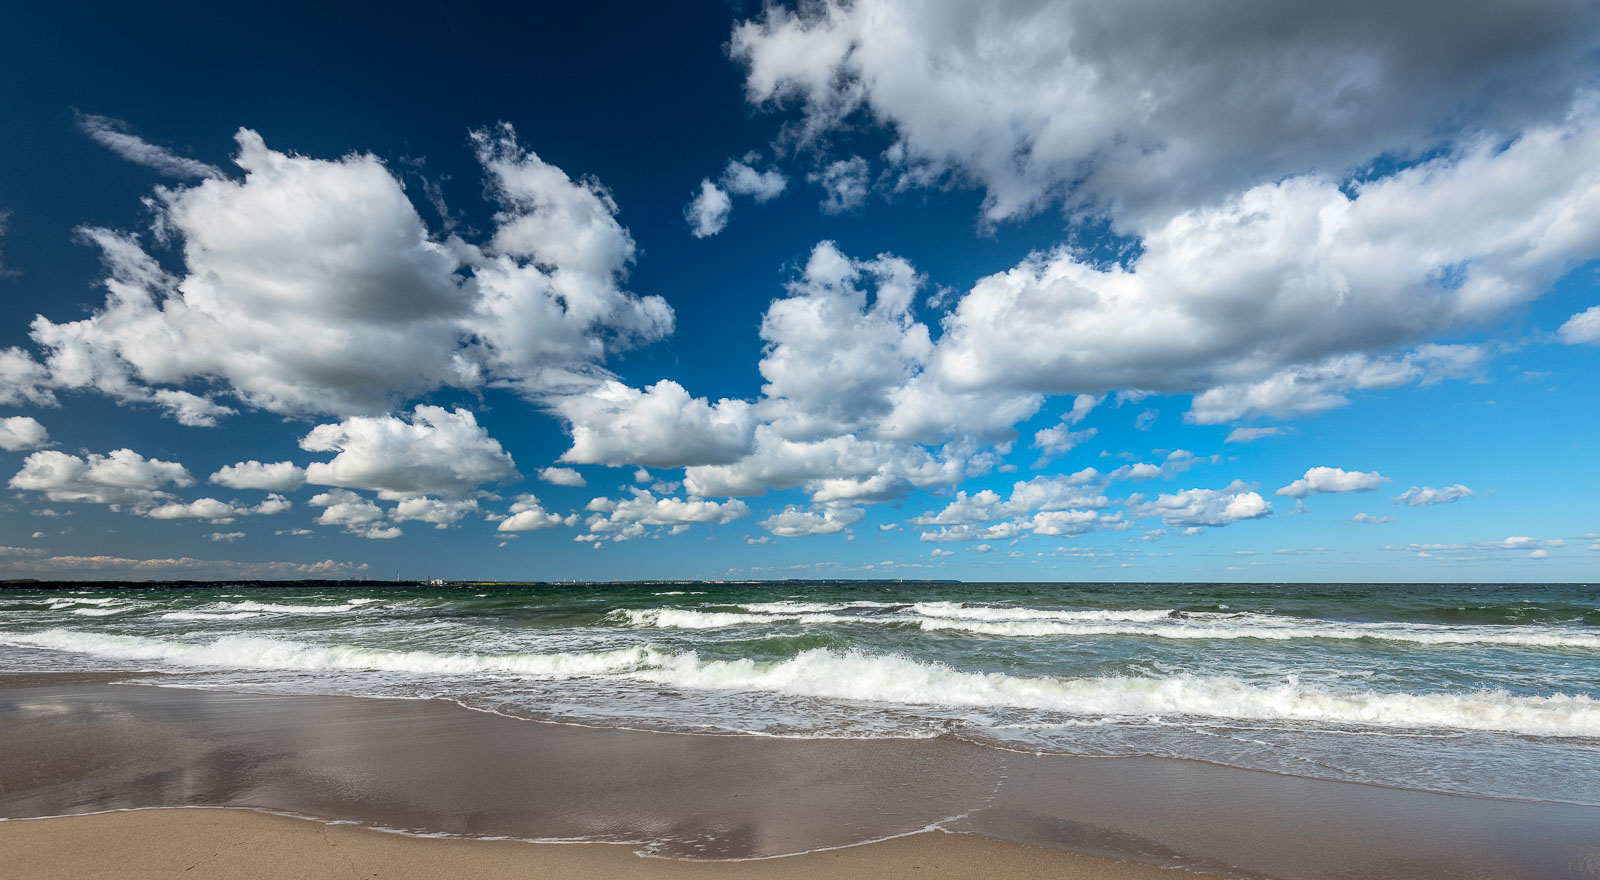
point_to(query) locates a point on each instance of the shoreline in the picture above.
(254, 845)
(82, 744)
(140, 678)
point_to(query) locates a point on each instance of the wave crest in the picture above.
(894, 679)
(1164, 623)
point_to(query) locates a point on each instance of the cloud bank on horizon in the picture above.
(1252, 218)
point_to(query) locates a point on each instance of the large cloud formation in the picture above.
(846, 410)
(1288, 275)
(1312, 196)
(1276, 300)
(1314, 202)
(313, 286)
(1276, 267)
(1141, 107)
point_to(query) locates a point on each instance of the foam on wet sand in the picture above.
(430, 767)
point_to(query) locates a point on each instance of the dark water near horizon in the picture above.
(1475, 689)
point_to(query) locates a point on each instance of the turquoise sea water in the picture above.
(1475, 689)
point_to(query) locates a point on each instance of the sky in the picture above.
(1025, 290)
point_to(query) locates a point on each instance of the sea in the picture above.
(1476, 689)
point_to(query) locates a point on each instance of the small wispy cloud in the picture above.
(1249, 435)
(1427, 496)
(708, 212)
(114, 135)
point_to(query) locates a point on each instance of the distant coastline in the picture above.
(360, 583)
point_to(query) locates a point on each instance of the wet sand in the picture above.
(243, 845)
(432, 767)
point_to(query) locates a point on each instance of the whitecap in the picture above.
(895, 679)
(250, 652)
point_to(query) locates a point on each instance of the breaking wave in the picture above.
(893, 679)
(278, 608)
(247, 652)
(1016, 622)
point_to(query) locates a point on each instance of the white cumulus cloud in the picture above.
(527, 514)
(659, 426)
(440, 512)
(561, 476)
(217, 511)
(434, 452)
(19, 433)
(313, 286)
(1064, 505)
(1521, 542)
(1197, 508)
(359, 516)
(843, 468)
(642, 513)
(711, 206)
(277, 476)
(188, 408)
(1583, 327)
(1306, 389)
(1138, 107)
(1059, 439)
(1296, 275)
(798, 522)
(741, 178)
(1333, 480)
(121, 477)
(1080, 490)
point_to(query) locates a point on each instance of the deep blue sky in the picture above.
(649, 101)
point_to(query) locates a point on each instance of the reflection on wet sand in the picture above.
(432, 767)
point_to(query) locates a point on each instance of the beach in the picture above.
(653, 804)
(800, 439)
(255, 846)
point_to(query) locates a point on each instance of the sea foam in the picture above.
(280, 608)
(893, 679)
(1163, 623)
(853, 675)
(683, 618)
(248, 652)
